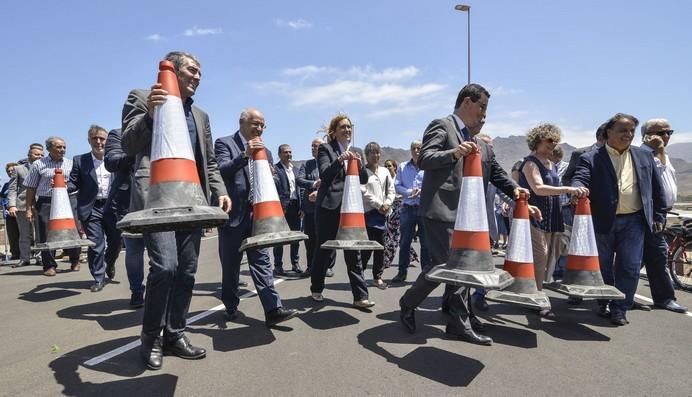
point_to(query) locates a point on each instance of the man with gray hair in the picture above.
(408, 183)
(39, 185)
(656, 134)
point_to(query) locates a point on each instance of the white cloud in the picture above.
(155, 37)
(350, 91)
(197, 31)
(401, 111)
(356, 72)
(502, 91)
(296, 24)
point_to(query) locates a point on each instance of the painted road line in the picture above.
(122, 349)
(650, 301)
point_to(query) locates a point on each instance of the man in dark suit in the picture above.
(308, 180)
(445, 142)
(91, 180)
(627, 201)
(172, 255)
(289, 196)
(233, 154)
(121, 167)
(574, 158)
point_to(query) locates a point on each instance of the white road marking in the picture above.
(650, 301)
(122, 349)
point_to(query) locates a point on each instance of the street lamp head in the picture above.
(462, 7)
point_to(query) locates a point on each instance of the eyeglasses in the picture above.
(550, 141)
(661, 133)
(389, 165)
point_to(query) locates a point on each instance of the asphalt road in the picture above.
(56, 337)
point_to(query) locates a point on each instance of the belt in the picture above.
(640, 212)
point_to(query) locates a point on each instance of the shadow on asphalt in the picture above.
(101, 312)
(242, 333)
(69, 369)
(458, 371)
(53, 291)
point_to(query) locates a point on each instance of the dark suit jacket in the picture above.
(83, 180)
(572, 166)
(595, 171)
(444, 174)
(136, 141)
(333, 174)
(121, 167)
(308, 173)
(283, 187)
(233, 167)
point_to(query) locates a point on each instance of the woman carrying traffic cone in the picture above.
(331, 159)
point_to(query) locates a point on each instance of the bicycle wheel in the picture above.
(680, 266)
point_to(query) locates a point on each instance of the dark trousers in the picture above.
(100, 229)
(655, 259)
(374, 234)
(172, 267)
(311, 242)
(438, 236)
(12, 228)
(292, 213)
(260, 266)
(47, 256)
(327, 223)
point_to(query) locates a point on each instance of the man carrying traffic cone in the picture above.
(172, 255)
(445, 142)
(244, 163)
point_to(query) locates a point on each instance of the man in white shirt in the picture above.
(91, 180)
(289, 196)
(656, 134)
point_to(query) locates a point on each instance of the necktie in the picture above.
(251, 174)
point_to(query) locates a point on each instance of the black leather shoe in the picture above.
(97, 286)
(279, 271)
(468, 336)
(280, 315)
(110, 270)
(477, 325)
(603, 311)
(137, 300)
(672, 305)
(408, 318)
(151, 352)
(445, 307)
(639, 306)
(480, 303)
(619, 319)
(184, 349)
(399, 278)
(232, 316)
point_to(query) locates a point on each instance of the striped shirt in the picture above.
(41, 174)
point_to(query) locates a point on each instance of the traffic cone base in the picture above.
(272, 239)
(514, 295)
(583, 274)
(175, 200)
(495, 279)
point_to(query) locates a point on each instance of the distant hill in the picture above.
(680, 150)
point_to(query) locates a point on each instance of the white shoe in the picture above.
(317, 297)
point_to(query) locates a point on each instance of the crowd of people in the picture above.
(630, 189)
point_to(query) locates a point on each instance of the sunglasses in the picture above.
(661, 133)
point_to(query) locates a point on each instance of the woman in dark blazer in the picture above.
(330, 159)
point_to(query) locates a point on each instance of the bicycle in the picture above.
(679, 239)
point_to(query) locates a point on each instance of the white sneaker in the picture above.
(317, 297)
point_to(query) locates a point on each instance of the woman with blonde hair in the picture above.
(332, 158)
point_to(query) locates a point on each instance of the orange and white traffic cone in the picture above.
(470, 258)
(175, 199)
(519, 263)
(269, 226)
(62, 228)
(583, 274)
(352, 234)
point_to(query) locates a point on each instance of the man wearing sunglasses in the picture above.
(656, 134)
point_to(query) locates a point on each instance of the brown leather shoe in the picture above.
(50, 272)
(75, 267)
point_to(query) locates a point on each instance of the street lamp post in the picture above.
(467, 9)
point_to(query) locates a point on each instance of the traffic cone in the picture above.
(583, 274)
(62, 228)
(470, 258)
(519, 263)
(175, 199)
(269, 226)
(352, 234)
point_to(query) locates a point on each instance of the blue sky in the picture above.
(391, 65)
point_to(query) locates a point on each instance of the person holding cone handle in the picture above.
(332, 158)
(172, 255)
(234, 154)
(446, 142)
